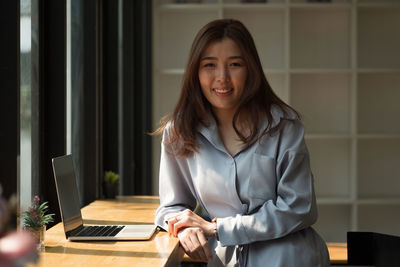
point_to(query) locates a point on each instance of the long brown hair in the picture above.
(192, 107)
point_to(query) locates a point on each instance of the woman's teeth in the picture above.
(223, 91)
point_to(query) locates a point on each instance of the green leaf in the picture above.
(111, 177)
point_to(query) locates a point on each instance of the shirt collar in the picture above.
(278, 115)
(211, 133)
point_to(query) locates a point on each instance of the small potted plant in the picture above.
(110, 184)
(36, 219)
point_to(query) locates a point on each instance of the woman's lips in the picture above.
(223, 91)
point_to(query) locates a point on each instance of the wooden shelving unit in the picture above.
(337, 63)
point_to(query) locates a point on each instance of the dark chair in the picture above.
(367, 248)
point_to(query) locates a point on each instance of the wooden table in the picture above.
(337, 253)
(161, 250)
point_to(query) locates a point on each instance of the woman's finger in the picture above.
(179, 226)
(170, 227)
(171, 223)
(197, 251)
(198, 247)
(204, 246)
(184, 222)
(190, 247)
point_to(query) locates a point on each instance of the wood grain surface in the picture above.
(161, 250)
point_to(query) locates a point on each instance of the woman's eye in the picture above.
(209, 65)
(236, 64)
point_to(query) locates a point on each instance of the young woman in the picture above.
(235, 148)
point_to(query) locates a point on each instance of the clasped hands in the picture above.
(192, 231)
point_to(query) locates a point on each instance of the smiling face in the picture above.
(222, 75)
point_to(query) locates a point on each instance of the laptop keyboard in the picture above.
(109, 230)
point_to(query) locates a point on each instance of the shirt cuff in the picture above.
(231, 231)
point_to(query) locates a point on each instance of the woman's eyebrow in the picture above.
(208, 58)
(215, 58)
(236, 57)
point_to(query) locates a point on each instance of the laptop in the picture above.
(68, 199)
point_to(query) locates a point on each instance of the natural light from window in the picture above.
(25, 106)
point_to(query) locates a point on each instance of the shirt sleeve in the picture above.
(295, 205)
(175, 193)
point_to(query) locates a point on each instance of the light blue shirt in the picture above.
(263, 196)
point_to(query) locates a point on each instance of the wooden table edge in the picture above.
(337, 254)
(176, 256)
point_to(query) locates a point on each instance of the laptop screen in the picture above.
(67, 192)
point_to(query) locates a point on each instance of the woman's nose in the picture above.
(223, 74)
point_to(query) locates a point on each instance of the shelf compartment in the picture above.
(320, 38)
(331, 201)
(378, 168)
(320, 71)
(165, 95)
(185, 2)
(377, 2)
(172, 71)
(378, 37)
(394, 71)
(187, 7)
(256, 6)
(175, 37)
(380, 201)
(331, 170)
(327, 136)
(378, 105)
(267, 29)
(278, 85)
(334, 221)
(379, 218)
(328, 6)
(323, 101)
(250, 3)
(332, 2)
(378, 136)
